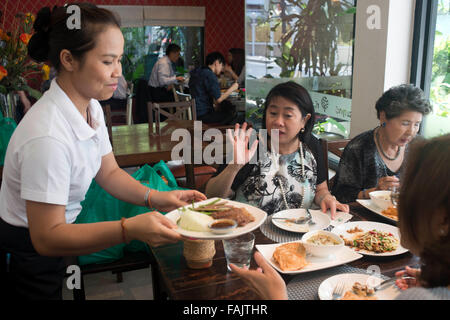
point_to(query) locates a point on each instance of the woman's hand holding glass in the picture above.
(385, 183)
(241, 153)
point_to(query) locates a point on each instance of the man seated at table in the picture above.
(204, 86)
(163, 76)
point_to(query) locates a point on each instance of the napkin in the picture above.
(339, 218)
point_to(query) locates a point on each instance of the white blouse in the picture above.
(52, 157)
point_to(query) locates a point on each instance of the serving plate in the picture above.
(321, 219)
(367, 226)
(368, 204)
(259, 215)
(387, 292)
(344, 255)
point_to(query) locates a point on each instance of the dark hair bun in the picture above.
(38, 47)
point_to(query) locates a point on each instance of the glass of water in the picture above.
(238, 251)
(395, 194)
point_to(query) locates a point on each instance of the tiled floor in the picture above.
(136, 285)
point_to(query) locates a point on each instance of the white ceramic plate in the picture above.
(259, 215)
(321, 219)
(367, 226)
(387, 292)
(345, 255)
(368, 204)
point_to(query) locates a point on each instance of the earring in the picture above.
(302, 130)
(383, 124)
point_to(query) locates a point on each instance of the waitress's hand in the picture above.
(385, 183)
(152, 228)
(265, 280)
(241, 153)
(166, 201)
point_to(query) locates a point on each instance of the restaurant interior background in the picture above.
(345, 52)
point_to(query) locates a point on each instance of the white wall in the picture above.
(382, 57)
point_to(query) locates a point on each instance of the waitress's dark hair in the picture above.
(300, 97)
(52, 34)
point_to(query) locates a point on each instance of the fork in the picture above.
(308, 215)
(338, 290)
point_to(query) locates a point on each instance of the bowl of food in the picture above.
(322, 243)
(222, 226)
(381, 198)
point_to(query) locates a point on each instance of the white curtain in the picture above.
(138, 16)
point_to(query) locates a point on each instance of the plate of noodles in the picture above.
(390, 213)
(371, 238)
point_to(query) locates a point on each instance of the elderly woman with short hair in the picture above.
(373, 160)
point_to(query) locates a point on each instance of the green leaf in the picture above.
(32, 92)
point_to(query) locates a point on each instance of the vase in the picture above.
(8, 104)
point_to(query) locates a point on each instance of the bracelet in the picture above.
(147, 198)
(124, 231)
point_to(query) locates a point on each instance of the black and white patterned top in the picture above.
(360, 167)
(259, 184)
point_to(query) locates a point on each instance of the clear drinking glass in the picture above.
(395, 194)
(238, 251)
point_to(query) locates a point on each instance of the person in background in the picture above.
(55, 152)
(294, 176)
(424, 223)
(236, 65)
(205, 89)
(373, 159)
(163, 77)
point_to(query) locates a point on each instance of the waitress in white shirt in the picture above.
(55, 152)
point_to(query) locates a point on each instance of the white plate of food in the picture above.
(390, 214)
(195, 224)
(371, 238)
(305, 262)
(357, 286)
(322, 221)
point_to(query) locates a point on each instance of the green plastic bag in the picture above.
(101, 206)
(7, 127)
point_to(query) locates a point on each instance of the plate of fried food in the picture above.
(213, 219)
(390, 213)
(294, 257)
(357, 286)
(371, 238)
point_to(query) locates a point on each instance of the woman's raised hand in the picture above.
(241, 153)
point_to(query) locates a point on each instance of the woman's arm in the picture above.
(52, 236)
(220, 185)
(227, 93)
(325, 200)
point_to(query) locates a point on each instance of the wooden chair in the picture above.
(336, 147)
(182, 110)
(129, 262)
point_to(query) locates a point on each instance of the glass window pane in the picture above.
(438, 122)
(309, 42)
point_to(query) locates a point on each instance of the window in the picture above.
(145, 45)
(431, 63)
(309, 42)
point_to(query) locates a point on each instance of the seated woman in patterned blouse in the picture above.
(292, 178)
(373, 159)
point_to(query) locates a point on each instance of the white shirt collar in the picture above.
(80, 127)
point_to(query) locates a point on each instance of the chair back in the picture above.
(336, 147)
(182, 110)
(129, 114)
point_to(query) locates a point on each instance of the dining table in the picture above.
(138, 144)
(172, 279)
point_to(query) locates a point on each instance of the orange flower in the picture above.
(46, 72)
(25, 37)
(3, 72)
(3, 36)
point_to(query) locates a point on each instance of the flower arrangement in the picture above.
(15, 67)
